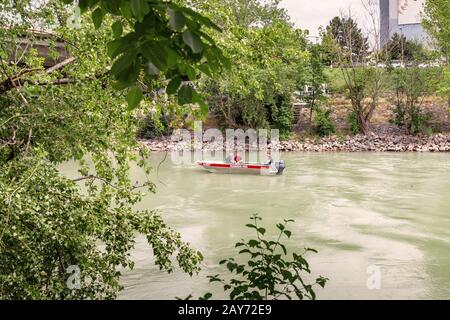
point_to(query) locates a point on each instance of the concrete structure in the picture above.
(402, 17)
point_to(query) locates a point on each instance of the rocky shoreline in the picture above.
(358, 143)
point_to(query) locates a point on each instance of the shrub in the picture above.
(282, 115)
(411, 85)
(152, 126)
(352, 121)
(268, 273)
(324, 126)
(419, 121)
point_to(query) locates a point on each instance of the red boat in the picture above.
(276, 168)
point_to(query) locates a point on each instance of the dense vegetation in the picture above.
(66, 106)
(143, 67)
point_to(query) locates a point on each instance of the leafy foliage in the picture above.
(164, 116)
(364, 82)
(61, 105)
(317, 80)
(352, 120)
(268, 62)
(400, 48)
(268, 274)
(48, 226)
(154, 39)
(435, 21)
(324, 126)
(411, 85)
(346, 33)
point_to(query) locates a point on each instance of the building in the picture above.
(402, 17)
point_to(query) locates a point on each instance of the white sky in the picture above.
(311, 14)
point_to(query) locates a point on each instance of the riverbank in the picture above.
(358, 143)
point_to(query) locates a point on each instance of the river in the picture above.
(360, 211)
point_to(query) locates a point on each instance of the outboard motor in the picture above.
(280, 166)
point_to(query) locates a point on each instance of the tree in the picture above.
(400, 48)
(348, 35)
(316, 80)
(243, 13)
(63, 105)
(435, 21)
(268, 64)
(411, 85)
(157, 38)
(364, 80)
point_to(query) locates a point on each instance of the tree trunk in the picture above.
(363, 124)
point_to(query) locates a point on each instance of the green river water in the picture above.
(357, 210)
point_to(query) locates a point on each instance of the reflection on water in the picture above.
(389, 210)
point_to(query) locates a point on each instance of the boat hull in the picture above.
(238, 168)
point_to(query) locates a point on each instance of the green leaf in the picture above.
(202, 19)
(97, 17)
(193, 41)
(253, 243)
(205, 69)
(83, 5)
(207, 296)
(321, 281)
(283, 247)
(204, 108)
(122, 63)
(156, 53)
(286, 274)
(185, 94)
(176, 19)
(173, 85)
(139, 8)
(134, 97)
(117, 29)
(152, 69)
(192, 75)
(118, 46)
(172, 58)
(287, 233)
(111, 6)
(125, 10)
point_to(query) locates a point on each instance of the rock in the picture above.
(391, 142)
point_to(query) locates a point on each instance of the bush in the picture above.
(324, 126)
(57, 242)
(152, 126)
(411, 85)
(419, 121)
(352, 121)
(282, 115)
(268, 273)
(399, 116)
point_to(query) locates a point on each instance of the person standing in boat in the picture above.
(269, 159)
